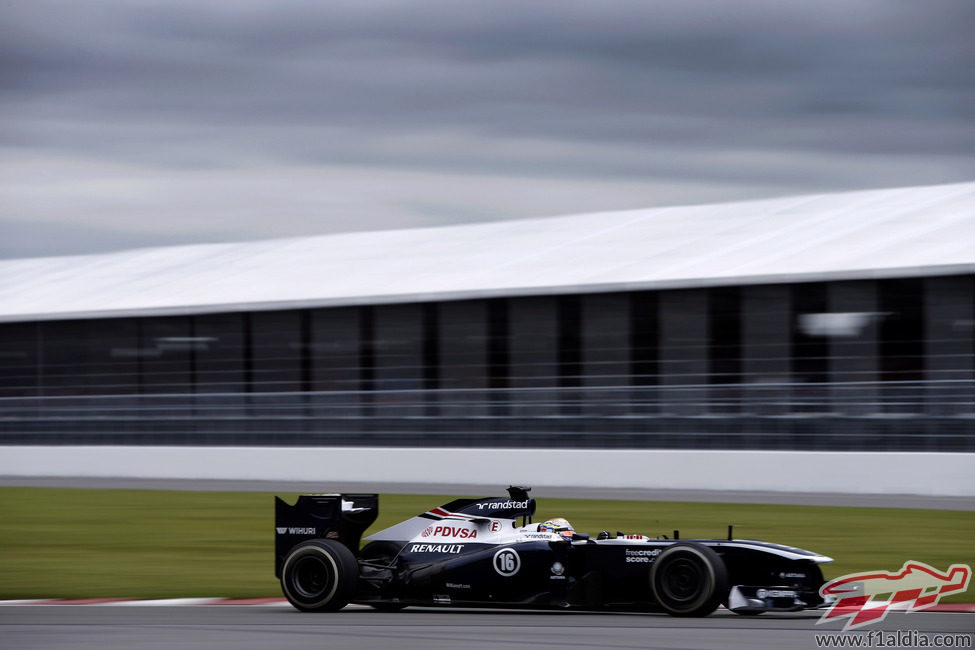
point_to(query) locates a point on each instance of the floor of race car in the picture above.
(280, 627)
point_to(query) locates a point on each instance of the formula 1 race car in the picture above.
(476, 552)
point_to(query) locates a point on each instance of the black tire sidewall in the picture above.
(336, 559)
(711, 591)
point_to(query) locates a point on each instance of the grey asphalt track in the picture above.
(217, 627)
(570, 492)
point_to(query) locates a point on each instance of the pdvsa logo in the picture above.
(450, 531)
(917, 586)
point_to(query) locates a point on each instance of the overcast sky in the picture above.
(132, 123)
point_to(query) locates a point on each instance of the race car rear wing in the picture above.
(342, 517)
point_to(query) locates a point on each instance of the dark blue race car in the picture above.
(487, 553)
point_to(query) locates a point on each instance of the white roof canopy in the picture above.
(876, 233)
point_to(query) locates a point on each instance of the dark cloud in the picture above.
(764, 97)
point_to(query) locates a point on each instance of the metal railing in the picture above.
(937, 415)
(881, 416)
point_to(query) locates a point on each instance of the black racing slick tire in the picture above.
(319, 575)
(689, 579)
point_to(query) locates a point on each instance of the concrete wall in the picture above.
(932, 474)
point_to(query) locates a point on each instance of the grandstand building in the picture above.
(829, 322)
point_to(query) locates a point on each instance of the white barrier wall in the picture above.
(931, 474)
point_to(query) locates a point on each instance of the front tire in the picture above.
(319, 575)
(689, 579)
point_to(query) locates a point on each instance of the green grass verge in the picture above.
(58, 543)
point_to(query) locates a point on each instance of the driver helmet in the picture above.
(557, 525)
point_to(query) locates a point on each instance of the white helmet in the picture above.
(558, 525)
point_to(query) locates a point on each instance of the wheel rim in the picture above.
(312, 577)
(682, 580)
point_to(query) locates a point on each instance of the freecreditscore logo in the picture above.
(866, 598)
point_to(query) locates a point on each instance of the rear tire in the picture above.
(319, 575)
(689, 579)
